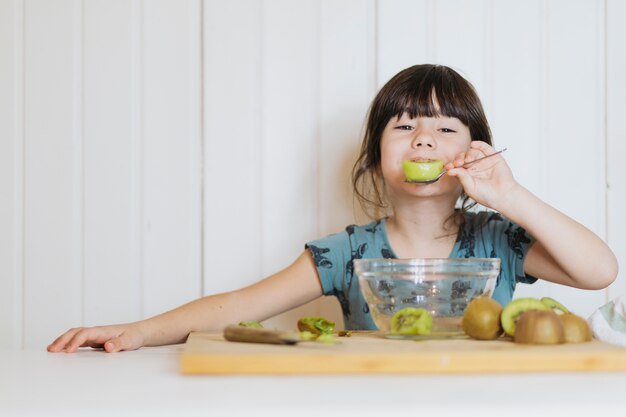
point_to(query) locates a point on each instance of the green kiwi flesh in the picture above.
(411, 321)
(422, 170)
(513, 310)
(554, 305)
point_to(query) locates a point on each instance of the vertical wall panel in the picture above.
(347, 64)
(516, 75)
(461, 31)
(52, 212)
(404, 36)
(616, 134)
(11, 172)
(172, 153)
(233, 121)
(290, 134)
(575, 124)
(112, 288)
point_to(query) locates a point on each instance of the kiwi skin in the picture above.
(513, 311)
(481, 319)
(541, 327)
(576, 328)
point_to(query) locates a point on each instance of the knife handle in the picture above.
(236, 333)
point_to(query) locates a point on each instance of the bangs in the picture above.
(435, 93)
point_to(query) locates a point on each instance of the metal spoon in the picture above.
(466, 165)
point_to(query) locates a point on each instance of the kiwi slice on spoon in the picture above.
(422, 170)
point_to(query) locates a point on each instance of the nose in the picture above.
(423, 140)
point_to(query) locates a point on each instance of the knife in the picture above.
(235, 333)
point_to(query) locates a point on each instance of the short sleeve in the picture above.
(331, 256)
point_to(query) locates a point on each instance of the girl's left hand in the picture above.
(487, 182)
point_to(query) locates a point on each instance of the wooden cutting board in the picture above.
(209, 353)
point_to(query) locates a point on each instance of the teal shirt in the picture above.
(483, 235)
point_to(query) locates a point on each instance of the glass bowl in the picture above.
(444, 287)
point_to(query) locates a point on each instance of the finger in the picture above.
(61, 341)
(464, 177)
(121, 342)
(89, 336)
(482, 146)
(459, 160)
(472, 155)
(80, 339)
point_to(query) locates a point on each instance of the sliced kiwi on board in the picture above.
(554, 305)
(513, 310)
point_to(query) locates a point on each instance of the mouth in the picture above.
(422, 170)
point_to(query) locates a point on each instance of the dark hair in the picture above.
(412, 91)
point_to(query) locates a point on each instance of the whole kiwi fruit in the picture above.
(481, 319)
(576, 328)
(513, 311)
(539, 327)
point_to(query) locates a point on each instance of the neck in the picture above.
(423, 229)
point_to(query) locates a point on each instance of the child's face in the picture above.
(421, 138)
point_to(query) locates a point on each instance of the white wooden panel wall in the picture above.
(11, 177)
(152, 151)
(103, 120)
(616, 134)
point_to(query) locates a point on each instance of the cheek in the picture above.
(390, 160)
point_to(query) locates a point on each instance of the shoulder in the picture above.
(353, 242)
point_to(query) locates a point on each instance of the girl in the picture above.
(424, 112)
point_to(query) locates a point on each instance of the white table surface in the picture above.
(148, 382)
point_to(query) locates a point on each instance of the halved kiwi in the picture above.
(424, 170)
(513, 310)
(412, 321)
(576, 328)
(557, 307)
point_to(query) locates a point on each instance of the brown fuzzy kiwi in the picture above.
(539, 327)
(576, 328)
(481, 319)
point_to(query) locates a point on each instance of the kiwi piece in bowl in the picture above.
(412, 321)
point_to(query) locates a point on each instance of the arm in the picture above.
(289, 288)
(560, 241)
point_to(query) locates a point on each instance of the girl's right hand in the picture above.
(110, 338)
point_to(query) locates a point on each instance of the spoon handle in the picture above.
(470, 163)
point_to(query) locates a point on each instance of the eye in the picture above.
(404, 127)
(447, 130)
